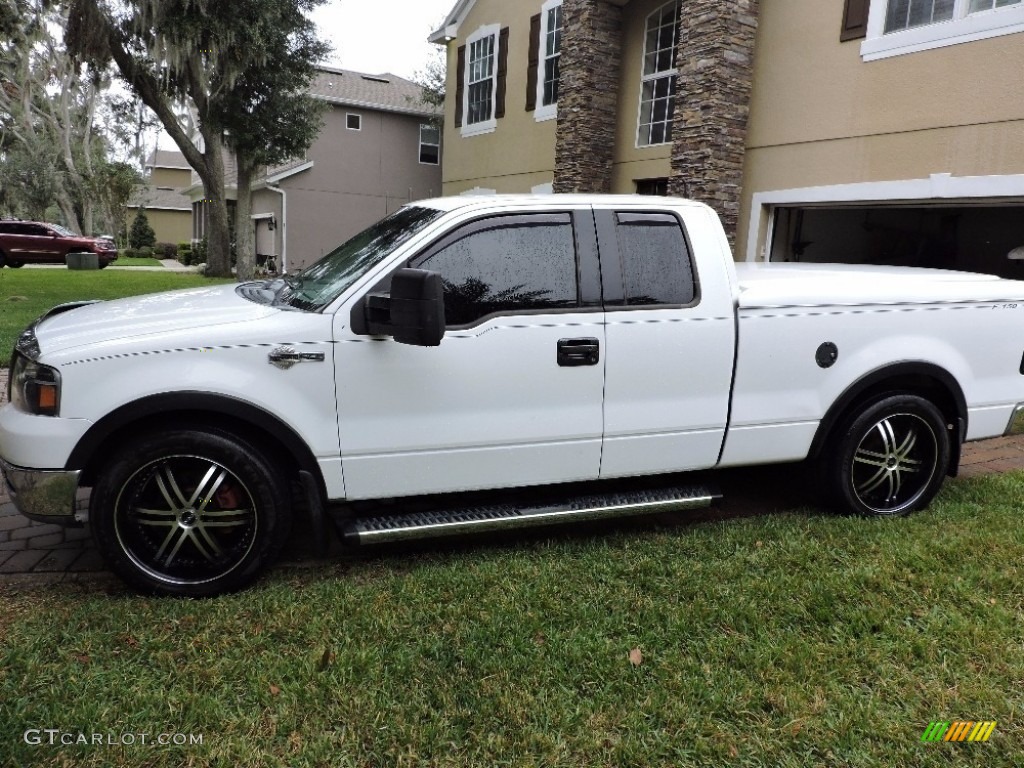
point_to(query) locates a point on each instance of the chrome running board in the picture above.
(479, 519)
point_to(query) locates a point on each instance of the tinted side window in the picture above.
(656, 267)
(507, 269)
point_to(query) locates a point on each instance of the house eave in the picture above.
(290, 172)
(449, 30)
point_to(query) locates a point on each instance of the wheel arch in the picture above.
(222, 412)
(924, 379)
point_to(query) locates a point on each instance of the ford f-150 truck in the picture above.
(534, 347)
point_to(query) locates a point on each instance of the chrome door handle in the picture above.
(286, 357)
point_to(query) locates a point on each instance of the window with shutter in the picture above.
(484, 73)
(549, 55)
(897, 27)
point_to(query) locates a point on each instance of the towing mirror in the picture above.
(412, 313)
(417, 307)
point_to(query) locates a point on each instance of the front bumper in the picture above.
(44, 495)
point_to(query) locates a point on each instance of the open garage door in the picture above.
(974, 238)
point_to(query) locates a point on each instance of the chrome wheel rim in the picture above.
(894, 463)
(185, 520)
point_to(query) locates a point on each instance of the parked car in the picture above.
(33, 242)
(512, 347)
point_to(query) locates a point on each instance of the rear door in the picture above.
(513, 395)
(670, 343)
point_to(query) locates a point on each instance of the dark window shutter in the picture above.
(460, 84)
(499, 98)
(855, 20)
(534, 64)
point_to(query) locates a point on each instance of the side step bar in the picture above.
(450, 522)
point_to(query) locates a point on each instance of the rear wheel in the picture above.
(891, 458)
(14, 264)
(190, 512)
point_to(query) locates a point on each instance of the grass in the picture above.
(135, 261)
(27, 293)
(790, 639)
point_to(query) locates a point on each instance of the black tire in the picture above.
(189, 512)
(14, 264)
(890, 458)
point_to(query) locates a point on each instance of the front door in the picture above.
(512, 396)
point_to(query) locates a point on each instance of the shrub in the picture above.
(166, 251)
(185, 255)
(146, 252)
(127, 253)
(141, 233)
(199, 252)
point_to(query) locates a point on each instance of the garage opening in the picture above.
(973, 238)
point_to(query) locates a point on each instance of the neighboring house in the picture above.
(167, 209)
(378, 150)
(857, 130)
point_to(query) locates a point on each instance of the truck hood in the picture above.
(156, 313)
(812, 285)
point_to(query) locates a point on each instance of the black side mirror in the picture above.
(412, 313)
(417, 307)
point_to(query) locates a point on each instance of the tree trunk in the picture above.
(218, 255)
(245, 266)
(67, 207)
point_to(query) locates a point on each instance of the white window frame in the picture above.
(359, 120)
(964, 27)
(429, 143)
(490, 125)
(545, 111)
(644, 78)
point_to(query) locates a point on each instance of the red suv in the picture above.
(32, 242)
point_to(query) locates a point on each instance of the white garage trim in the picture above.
(938, 186)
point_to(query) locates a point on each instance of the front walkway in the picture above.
(41, 553)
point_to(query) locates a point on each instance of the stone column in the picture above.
(716, 69)
(588, 95)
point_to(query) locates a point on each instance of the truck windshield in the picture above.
(319, 284)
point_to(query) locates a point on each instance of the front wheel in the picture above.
(189, 512)
(891, 458)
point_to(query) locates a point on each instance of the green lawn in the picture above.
(790, 639)
(27, 293)
(135, 261)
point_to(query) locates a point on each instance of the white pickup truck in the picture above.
(537, 348)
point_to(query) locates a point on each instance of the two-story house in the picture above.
(379, 148)
(883, 131)
(167, 210)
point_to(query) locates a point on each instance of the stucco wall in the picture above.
(520, 153)
(174, 178)
(821, 116)
(169, 226)
(633, 162)
(357, 177)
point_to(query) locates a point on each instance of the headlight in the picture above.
(34, 387)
